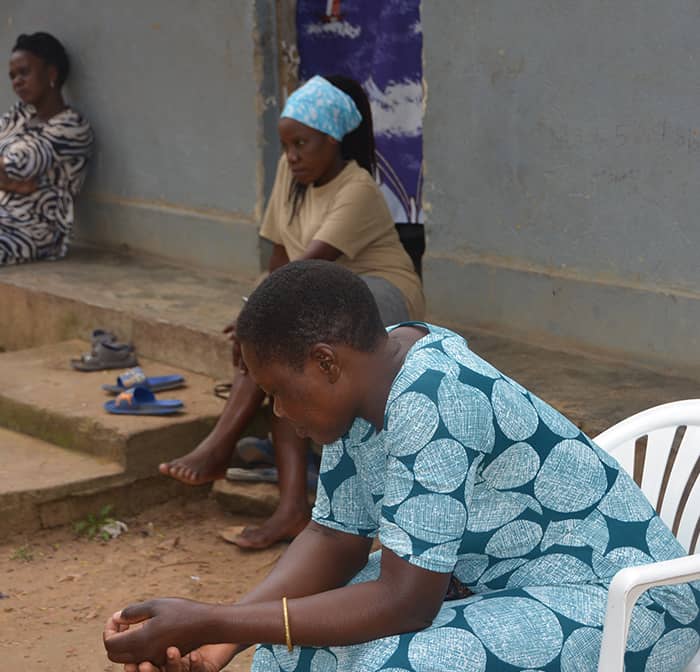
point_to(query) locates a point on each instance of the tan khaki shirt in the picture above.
(350, 214)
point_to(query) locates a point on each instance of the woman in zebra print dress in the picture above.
(44, 149)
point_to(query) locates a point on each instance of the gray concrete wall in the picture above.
(562, 148)
(173, 90)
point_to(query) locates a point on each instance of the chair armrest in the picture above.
(625, 588)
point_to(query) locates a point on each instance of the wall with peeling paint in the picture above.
(171, 88)
(562, 149)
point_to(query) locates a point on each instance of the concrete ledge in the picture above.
(43, 397)
(127, 497)
(91, 457)
(201, 237)
(37, 318)
(42, 485)
(648, 326)
(171, 313)
(257, 499)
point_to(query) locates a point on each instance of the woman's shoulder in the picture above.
(441, 354)
(70, 126)
(434, 351)
(70, 117)
(353, 173)
(356, 183)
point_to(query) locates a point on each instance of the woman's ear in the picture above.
(52, 72)
(326, 359)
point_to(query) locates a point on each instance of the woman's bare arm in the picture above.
(315, 250)
(15, 186)
(318, 560)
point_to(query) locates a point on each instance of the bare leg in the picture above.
(293, 512)
(210, 459)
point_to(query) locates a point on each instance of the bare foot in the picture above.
(281, 526)
(206, 463)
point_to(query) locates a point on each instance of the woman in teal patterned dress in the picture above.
(500, 523)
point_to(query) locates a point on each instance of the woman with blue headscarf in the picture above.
(325, 204)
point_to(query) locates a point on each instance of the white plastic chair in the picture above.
(660, 448)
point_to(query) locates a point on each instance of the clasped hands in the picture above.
(168, 640)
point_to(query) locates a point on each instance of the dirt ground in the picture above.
(57, 590)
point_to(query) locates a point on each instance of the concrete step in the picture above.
(42, 396)
(42, 486)
(173, 314)
(63, 456)
(35, 476)
(255, 499)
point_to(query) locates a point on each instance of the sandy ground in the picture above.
(56, 590)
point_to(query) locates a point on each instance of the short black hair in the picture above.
(48, 49)
(308, 302)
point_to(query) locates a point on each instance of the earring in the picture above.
(52, 84)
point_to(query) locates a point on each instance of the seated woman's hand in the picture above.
(165, 623)
(206, 659)
(23, 187)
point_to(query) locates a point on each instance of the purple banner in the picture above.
(378, 43)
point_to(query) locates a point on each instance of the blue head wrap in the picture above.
(322, 106)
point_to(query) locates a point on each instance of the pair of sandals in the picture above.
(135, 394)
(134, 390)
(105, 353)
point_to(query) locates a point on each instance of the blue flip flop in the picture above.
(141, 401)
(137, 378)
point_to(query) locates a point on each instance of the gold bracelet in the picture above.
(287, 631)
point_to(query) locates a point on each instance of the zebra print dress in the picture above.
(55, 153)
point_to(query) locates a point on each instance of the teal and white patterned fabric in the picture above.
(473, 474)
(320, 105)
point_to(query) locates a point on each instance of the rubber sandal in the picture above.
(253, 450)
(102, 336)
(222, 390)
(259, 475)
(267, 475)
(256, 451)
(141, 401)
(136, 377)
(232, 534)
(106, 356)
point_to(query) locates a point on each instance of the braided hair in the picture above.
(48, 49)
(358, 145)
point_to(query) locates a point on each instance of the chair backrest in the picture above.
(660, 448)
